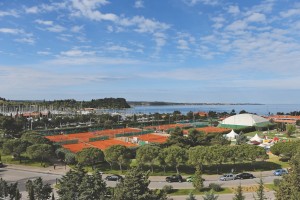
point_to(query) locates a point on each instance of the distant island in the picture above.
(162, 103)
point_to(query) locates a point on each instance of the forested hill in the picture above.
(106, 103)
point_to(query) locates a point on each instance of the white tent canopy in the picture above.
(256, 138)
(231, 135)
(244, 120)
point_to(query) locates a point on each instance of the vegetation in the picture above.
(239, 194)
(198, 180)
(90, 156)
(37, 190)
(289, 187)
(9, 191)
(135, 186)
(260, 193)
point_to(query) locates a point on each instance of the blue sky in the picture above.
(170, 50)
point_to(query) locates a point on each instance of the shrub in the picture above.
(216, 187)
(168, 189)
(276, 182)
(284, 159)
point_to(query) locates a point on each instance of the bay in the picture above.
(265, 109)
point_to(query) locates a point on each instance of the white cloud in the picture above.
(256, 17)
(56, 28)
(45, 53)
(182, 44)
(118, 48)
(32, 10)
(11, 31)
(46, 7)
(237, 25)
(77, 29)
(139, 4)
(50, 26)
(290, 13)
(9, 13)
(91, 60)
(144, 25)
(233, 10)
(77, 52)
(205, 2)
(27, 40)
(88, 9)
(44, 22)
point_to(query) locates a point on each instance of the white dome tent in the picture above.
(232, 135)
(244, 120)
(256, 138)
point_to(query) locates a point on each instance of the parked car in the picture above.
(244, 176)
(114, 177)
(1, 165)
(227, 177)
(280, 172)
(191, 179)
(174, 178)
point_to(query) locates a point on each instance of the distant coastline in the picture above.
(162, 103)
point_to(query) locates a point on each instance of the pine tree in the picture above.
(135, 187)
(92, 187)
(210, 196)
(69, 184)
(198, 180)
(239, 194)
(191, 197)
(260, 191)
(289, 187)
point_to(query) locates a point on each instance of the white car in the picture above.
(227, 177)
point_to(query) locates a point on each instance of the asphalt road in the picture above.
(157, 182)
(22, 176)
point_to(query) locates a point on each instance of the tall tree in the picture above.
(239, 193)
(69, 184)
(41, 152)
(197, 156)
(117, 154)
(90, 156)
(147, 155)
(289, 187)
(92, 187)
(177, 138)
(191, 197)
(175, 156)
(198, 180)
(15, 147)
(135, 187)
(210, 196)
(260, 193)
(10, 191)
(290, 129)
(38, 190)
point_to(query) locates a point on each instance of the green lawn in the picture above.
(8, 159)
(275, 159)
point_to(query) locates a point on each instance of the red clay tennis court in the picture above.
(113, 132)
(84, 137)
(104, 144)
(166, 126)
(76, 147)
(58, 138)
(153, 138)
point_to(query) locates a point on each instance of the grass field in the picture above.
(8, 159)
